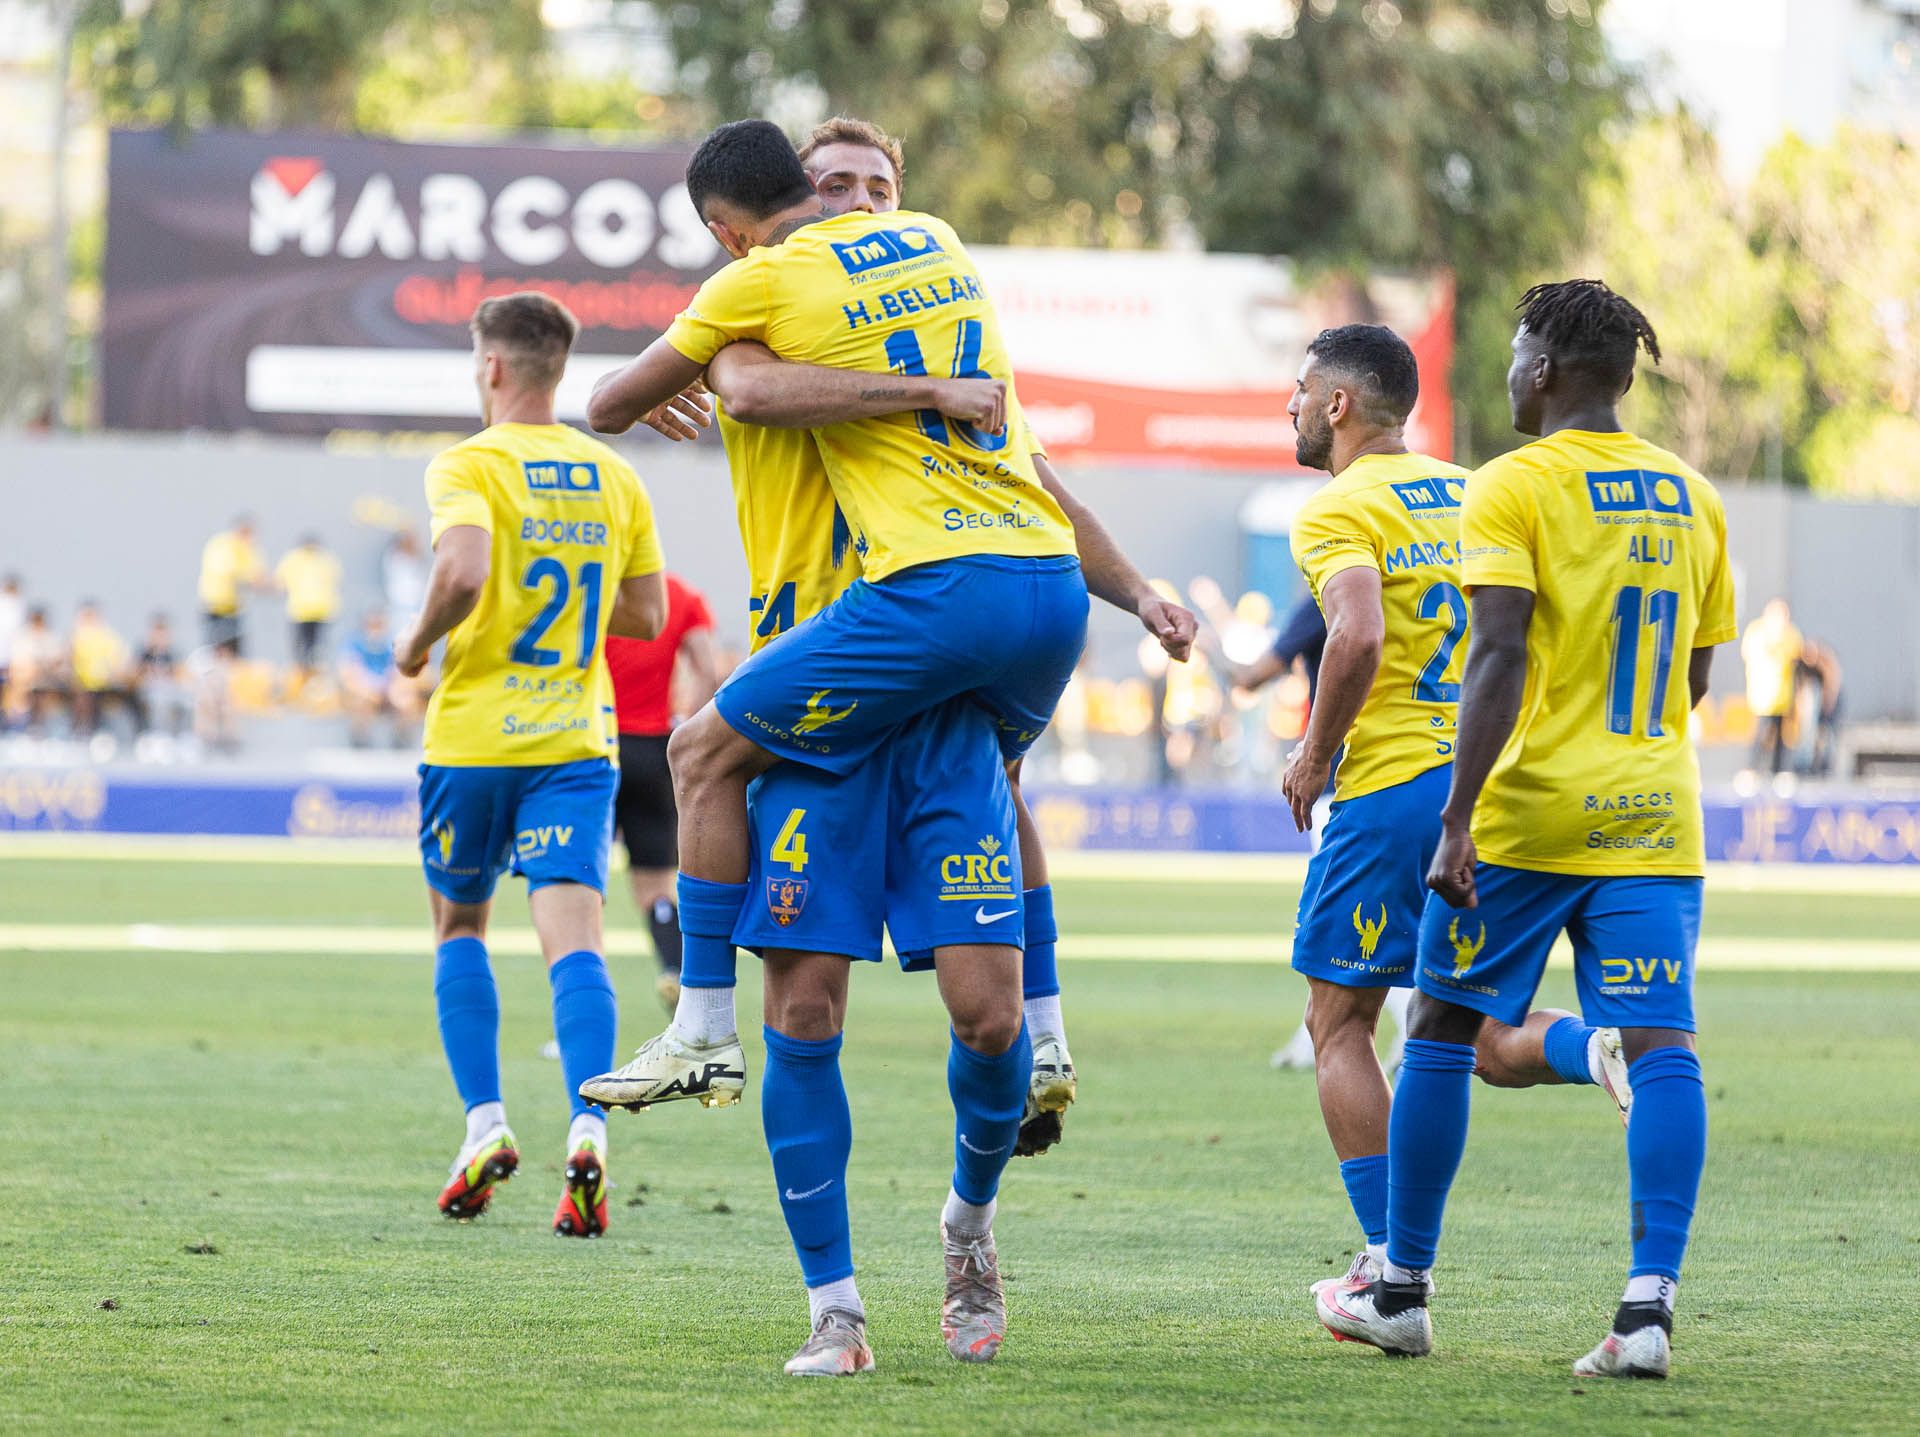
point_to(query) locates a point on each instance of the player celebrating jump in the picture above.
(1596, 562)
(543, 542)
(816, 844)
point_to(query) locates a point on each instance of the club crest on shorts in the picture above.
(785, 898)
(1465, 949)
(1369, 930)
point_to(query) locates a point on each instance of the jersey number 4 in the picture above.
(549, 574)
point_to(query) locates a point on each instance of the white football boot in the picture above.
(838, 1347)
(1353, 1315)
(1609, 1065)
(667, 1068)
(1644, 1352)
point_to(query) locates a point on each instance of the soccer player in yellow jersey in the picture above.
(1597, 566)
(543, 542)
(817, 847)
(1379, 546)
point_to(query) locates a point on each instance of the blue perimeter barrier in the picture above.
(1817, 828)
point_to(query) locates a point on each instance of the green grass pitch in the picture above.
(216, 1209)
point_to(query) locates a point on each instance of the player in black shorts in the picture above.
(643, 810)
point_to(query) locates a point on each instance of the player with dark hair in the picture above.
(1596, 562)
(818, 835)
(543, 543)
(1379, 545)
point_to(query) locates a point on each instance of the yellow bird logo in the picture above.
(443, 835)
(1369, 931)
(1465, 950)
(818, 715)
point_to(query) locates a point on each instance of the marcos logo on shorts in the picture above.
(561, 478)
(1638, 491)
(785, 898)
(885, 247)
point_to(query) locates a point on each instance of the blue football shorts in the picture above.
(1633, 945)
(1359, 922)
(918, 840)
(549, 823)
(1005, 632)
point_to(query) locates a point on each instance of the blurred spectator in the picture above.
(1302, 639)
(230, 568)
(37, 680)
(165, 703)
(310, 577)
(13, 613)
(102, 668)
(210, 673)
(1770, 649)
(371, 687)
(403, 578)
(1820, 672)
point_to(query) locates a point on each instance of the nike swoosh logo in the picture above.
(983, 1152)
(793, 1196)
(980, 915)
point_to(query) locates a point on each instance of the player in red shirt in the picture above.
(643, 809)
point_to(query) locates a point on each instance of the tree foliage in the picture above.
(1670, 233)
(1024, 120)
(266, 63)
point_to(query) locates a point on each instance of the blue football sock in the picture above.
(1426, 1134)
(583, 1020)
(803, 1110)
(708, 912)
(1567, 1049)
(1666, 1149)
(989, 1098)
(1366, 1180)
(1039, 978)
(469, 1007)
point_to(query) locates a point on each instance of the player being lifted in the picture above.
(1597, 563)
(1379, 545)
(802, 560)
(816, 844)
(543, 541)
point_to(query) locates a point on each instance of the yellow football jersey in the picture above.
(226, 563)
(1399, 515)
(889, 293)
(311, 578)
(799, 547)
(799, 550)
(1625, 550)
(525, 676)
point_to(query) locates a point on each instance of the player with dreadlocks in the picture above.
(1594, 561)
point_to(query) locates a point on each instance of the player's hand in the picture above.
(1174, 626)
(1451, 874)
(981, 403)
(684, 415)
(409, 654)
(1303, 781)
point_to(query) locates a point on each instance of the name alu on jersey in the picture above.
(912, 299)
(532, 220)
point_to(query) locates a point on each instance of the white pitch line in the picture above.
(1243, 869)
(243, 940)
